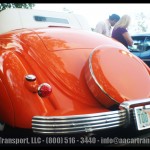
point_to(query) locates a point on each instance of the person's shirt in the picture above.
(118, 35)
(103, 28)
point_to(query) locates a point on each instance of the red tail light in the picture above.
(44, 90)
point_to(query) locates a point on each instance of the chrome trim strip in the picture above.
(64, 124)
(87, 122)
(78, 123)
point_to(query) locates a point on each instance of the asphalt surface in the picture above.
(117, 137)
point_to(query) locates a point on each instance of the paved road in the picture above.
(118, 137)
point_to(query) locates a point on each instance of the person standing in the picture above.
(120, 32)
(104, 27)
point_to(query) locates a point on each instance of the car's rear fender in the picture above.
(17, 100)
(6, 108)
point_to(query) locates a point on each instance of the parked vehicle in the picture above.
(141, 47)
(17, 18)
(62, 80)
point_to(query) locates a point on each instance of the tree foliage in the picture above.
(141, 26)
(16, 5)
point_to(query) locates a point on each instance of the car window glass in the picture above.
(147, 43)
(51, 19)
(138, 43)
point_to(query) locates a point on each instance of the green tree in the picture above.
(141, 26)
(16, 5)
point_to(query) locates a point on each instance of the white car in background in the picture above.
(16, 18)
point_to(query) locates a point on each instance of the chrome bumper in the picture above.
(87, 122)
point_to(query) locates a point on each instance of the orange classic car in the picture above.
(60, 80)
